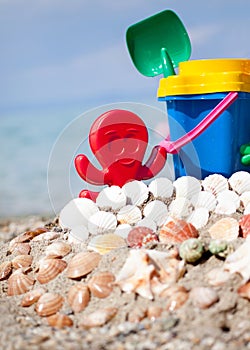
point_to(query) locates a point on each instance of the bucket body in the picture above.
(217, 149)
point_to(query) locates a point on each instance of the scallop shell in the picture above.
(98, 318)
(191, 250)
(154, 312)
(27, 236)
(180, 207)
(59, 321)
(78, 235)
(245, 198)
(19, 283)
(102, 222)
(225, 208)
(78, 297)
(156, 211)
(215, 183)
(229, 196)
(199, 217)
(136, 192)
(82, 264)
(32, 297)
(176, 231)
(204, 199)
(244, 291)
(48, 304)
(123, 230)
(220, 248)
(5, 270)
(101, 284)
(161, 187)
(49, 269)
(130, 214)
(112, 197)
(22, 261)
(217, 277)
(186, 186)
(77, 212)
(240, 182)
(146, 222)
(141, 236)
(245, 225)
(226, 229)
(103, 244)
(20, 248)
(239, 261)
(58, 249)
(47, 236)
(247, 210)
(203, 297)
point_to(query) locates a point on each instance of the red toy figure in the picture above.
(118, 139)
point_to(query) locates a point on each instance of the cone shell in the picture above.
(226, 229)
(130, 214)
(32, 297)
(78, 235)
(5, 270)
(78, 297)
(199, 217)
(240, 182)
(19, 283)
(176, 231)
(136, 192)
(156, 211)
(22, 261)
(245, 225)
(102, 222)
(244, 291)
(59, 321)
(215, 183)
(112, 197)
(77, 212)
(101, 284)
(180, 207)
(203, 297)
(191, 250)
(82, 264)
(58, 249)
(186, 186)
(141, 236)
(98, 318)
(49, 304)
(162, 188)
(204, 199)
(49, 269)
(103, 244)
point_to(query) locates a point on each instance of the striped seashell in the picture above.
(5, 270)
(112, 197)
(20, 248)
(123, 230)
(50, 269)
(103, 244)
(186, 186)
(229, 196)
(47, 236)
(203, 297)
(22, 261)
(215, 183)
(225, 208)
(32, 297)
(217, 277)
(247, 210)
(101, 284)
(19, 283)
(49, 304)
(245, 198)
(240, 182)
(180, 207)
(102, 222)
(245, 225)
(27, 236)
(58, 249)
(78, 297)
(59, 321)
(149, 223)
(199, 217)
(161, 188)
(226, 229)
(78, 235)
(244, 291)
(136, 192)
(140, 236)
(204, 199)
(98, 318)
(176, 231)
(130, 214)
(156, 211)
(77, 212)
(191, 250)
(82, 264)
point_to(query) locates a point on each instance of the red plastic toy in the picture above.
(118, 139)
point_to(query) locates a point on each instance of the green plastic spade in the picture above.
(158, 44)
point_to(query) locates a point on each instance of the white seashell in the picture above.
(47, 236)
(78, 235)
(226, 229)
(98, 318)
(217, 277)
(156, 211)
(187, 186)
(123, 230)
(203, 297)
(199, 217)
(239, 261)
(130, 214)
(229, 196)
(245, 198)
(102, 222)
(77, 212)
(111, 197)
(247, 210)
(204, 199)
(58, 249)
(161, 188)
(225, 208)
(240, 182)
(136, 192)
(103, 244)
(146, 222)
(215, 183)
(180, 207)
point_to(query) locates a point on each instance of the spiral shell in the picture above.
(156, 211)
(226, 229)
(220, 248)
(161, 187)
(176, 231)
(22, 261)
(101, 284)
(49, 269)
(240, 182)
(19, 283)
(245, 225)
(191, 250)
(103, 244)
(141, 236)
(130, 214)
(32, 297)
(59, 321)
(136, 192)
(5, 270)
(98, 318)
(203, 297)
(186, 186)
(102, 222)
(82, 264)
(78, 297)
(58, 249)
(48, 304)
(112, 197)
(215, 183)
